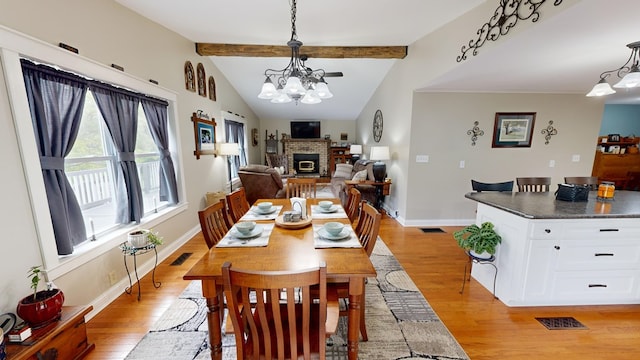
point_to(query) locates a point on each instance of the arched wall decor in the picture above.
(202, 87)
(212, 88)
(189, 77)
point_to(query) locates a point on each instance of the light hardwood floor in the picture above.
(486, 328)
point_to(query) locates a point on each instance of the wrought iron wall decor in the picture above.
(504, 18)
(475, 132)
(548, 132)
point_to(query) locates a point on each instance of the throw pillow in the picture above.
(343, 171)
(360, 176)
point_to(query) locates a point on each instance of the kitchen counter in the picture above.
(626, 204)
(562, 253)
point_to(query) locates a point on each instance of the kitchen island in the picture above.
(562, 253)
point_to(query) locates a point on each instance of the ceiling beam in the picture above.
(330, 52)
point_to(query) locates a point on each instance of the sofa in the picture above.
(364, 169)
(261, 182)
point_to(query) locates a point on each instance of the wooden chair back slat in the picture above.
(214, 222)
(533, 184)
(353, 204)
(238, 204)
(368, 226)
(274, 326)
(301, 187)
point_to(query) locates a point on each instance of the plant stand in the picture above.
(128, 250)
(478, 260)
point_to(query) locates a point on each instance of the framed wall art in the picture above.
(189, 77)
(513, 129)
(212, 89)
(204, 135)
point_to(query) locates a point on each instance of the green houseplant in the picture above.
(41, 307)
(478, 240)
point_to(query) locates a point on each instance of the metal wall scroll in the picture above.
(549, 132)
(475, 132)
(504, 18)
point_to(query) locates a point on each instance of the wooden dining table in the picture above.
(287, 250)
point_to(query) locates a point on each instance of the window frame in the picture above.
(13, 46)
(227, 115)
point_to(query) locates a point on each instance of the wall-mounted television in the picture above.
(305, 129)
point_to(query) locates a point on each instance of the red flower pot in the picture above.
(43, 310)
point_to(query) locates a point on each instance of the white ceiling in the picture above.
(564, 54)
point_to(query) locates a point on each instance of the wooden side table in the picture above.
(382, 189)
(63, 339)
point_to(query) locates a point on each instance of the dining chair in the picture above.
(501, 186)
(533, 184)
(367, 231)
(353, 204)
(283, 321)
(238, 204)
(592, 181)
(301, 187)
(214, 222)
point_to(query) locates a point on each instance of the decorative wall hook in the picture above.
(549, 132)
(475, 132)
(504, 18)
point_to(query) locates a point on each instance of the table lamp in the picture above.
(355, 151)
(379, 153)
(229, 150)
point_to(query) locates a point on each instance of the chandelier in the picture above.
(295, 82)
(629, 73)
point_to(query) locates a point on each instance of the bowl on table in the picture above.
(334, 228)
(265, 206)
(245, 227)
(325, 204)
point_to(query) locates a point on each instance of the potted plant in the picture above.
(41, 307)
(480, 241)
(142, 237)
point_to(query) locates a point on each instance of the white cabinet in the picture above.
(564, 262)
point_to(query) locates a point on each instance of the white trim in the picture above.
(13, 45)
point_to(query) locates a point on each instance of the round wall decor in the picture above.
(377, 126)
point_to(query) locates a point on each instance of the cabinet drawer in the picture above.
(596, 287)
(603, 230)
(545, 230)
(611, 254)
(70, 343)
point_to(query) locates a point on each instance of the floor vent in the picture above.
(432, 230)
(181, 259)
(560, 323)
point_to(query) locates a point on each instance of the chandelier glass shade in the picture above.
(296, 82)
(629, 74)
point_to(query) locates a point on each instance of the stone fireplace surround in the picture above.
(308, 146)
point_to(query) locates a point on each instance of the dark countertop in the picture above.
(626, 204)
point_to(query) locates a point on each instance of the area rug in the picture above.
(400, 324)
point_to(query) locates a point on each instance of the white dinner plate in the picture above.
(332, 209)
(266, 212)
(257, 231)
(341, 236)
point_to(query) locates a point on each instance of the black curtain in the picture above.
(56, 101)
(119, 109)
(156, 113)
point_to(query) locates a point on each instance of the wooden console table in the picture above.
(382, 189)
(63, 339)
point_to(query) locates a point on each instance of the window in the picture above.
(116, 142)
(235, 134)
(90, 169)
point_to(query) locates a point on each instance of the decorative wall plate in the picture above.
(377, 126)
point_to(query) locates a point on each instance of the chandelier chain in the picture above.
(294, 9)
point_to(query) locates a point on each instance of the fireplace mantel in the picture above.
(308, 146)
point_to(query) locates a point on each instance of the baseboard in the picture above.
(144, 268)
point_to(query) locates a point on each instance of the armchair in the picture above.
(261, 182)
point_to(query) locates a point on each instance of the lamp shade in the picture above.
(601, 88)
(355, 149)
(228, 149)
(379, 153)
(631, 80)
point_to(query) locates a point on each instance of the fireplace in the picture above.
(306, 164)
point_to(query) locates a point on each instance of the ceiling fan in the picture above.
(305, 57)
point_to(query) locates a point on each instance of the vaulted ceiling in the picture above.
(565, 54)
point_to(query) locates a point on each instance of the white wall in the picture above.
(107, 33)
